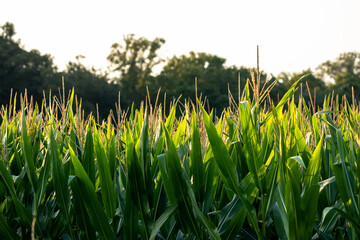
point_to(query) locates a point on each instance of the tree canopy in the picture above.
(345, 72)
(132, 63)
(21, 69)
(135, 61)
(92, 87)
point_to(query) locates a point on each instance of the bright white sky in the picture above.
(292, 35)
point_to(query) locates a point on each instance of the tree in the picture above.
(347, 64)
(178, 77)
(21, 69)
(135, 62)
(345, 72)
(214, 79)
(8, 31)
(92, 87)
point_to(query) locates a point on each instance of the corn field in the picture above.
(255, 172)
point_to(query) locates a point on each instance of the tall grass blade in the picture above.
(145, 159)
(161, 220)
(82, 217)
(95, 210)
(287, 96)
(228, 169)
(88, 154)
(45, 173)
(196, 163)
(23, 213)
(136, 187)
(60, 181)
(181, 193)
(107, 186)
(6, 232)
(313, 170)
(28, 154)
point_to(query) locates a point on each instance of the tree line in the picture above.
(131, 73)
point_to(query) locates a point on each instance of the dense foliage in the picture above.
(257, 173)
(131, 72)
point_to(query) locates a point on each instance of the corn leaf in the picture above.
(94, 209)
(24, 213)
(28, 154)
(190, 214)
(6, 232)
(228, 169)
(196, 163)
(88, 159)
(60, 181)
(106, 182)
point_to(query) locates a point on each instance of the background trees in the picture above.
(135, 60)
(132, 65)
(345, 74)
(214, 79)
(20, 69)
(178, 77)
(312, 88)
(92, 87)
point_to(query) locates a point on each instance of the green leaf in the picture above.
(98, 218)
(182, 194)
(28, 154)
(24, 213)
(283, 101)
(145, 158)
(170, 119)
(209, 180)
(136, 192)
(43, 179)
(231, 219)
(111, 147)
(88, 154)
(82, 217)
(345, 189)
(313, 170)
(106, 183)
(308, 205)
(328, 220)
(161, 220)
(196, 163)
(299, 160)
(292, 204)
(60, 181)
(325, 182)
(6, 232)
(228, 169)
(254, 158)
(180, 132)
(175, 186)
(280, 225)
(226, 166)
(355, 223)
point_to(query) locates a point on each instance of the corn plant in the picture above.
(254, 172)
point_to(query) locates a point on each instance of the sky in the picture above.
(292, 35)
